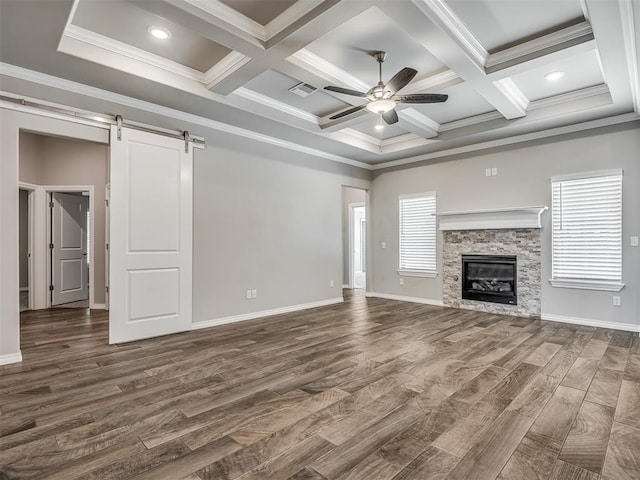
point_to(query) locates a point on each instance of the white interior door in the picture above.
(150, 246)
(69, 269)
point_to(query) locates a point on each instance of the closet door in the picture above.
(69, 269)
(151, 228)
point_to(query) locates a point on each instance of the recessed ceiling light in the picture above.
(554, 75)
(160, 33)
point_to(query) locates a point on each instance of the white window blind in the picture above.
(418, 233)
(587, 228)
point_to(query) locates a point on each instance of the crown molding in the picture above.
(310, 61)
(569, 97)
(225, 67)
(439, 11)
(280, 106)
(135, 54)
(474, 120)
(400, 140)
(231, 17)
(559, 39)
(107, 96)
(291, 15)
(630, 15)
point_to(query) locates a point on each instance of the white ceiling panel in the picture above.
(463, 102)
(501, 23)
(368, 127)
(129, 23)
(261, 11)
(276, 85)
(581, 71)
(350, 46)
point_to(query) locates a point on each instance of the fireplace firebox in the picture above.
(490, 278)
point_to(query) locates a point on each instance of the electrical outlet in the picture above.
(254, 293)
(383, 245)
(616, 301)
(487, 172)
(331, 283)
(494, 171)
(633, 241)
(402, 281)
(248, 294)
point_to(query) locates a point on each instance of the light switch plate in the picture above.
(634, 241)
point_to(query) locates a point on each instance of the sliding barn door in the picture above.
(150, 245)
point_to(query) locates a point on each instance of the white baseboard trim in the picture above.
(11, 358)
(264, 313)
(99, 306)
(402, 298)
(590, 322)
(346, 285)
(24, 289)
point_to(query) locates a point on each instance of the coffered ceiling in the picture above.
(235, 62)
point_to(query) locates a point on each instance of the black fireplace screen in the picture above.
(490, 278)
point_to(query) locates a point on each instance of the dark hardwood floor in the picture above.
(369, 389)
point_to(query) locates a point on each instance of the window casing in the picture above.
(587, 231)
(418, 235)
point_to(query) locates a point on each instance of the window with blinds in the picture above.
(587, 228)
(418, 234)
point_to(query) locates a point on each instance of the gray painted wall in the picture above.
(349, 195)
(23, 238)
(46, 160)
(522, 180)
(264, 224)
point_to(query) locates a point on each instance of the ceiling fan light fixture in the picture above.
(158, 32)
(381, 106)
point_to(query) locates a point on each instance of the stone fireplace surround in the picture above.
(514, 231)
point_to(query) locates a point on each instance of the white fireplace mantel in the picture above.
(514, 217)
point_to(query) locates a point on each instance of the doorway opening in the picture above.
(354, 238)
(24, 249)
(358, 245)
(64, 180)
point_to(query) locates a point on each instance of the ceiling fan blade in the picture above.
(390, 117)
(422, 98)
(346, 91)
(400, 80)
(349, 111)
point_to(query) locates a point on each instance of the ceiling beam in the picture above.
(437, 29)
(321, 20)
(607, 27)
